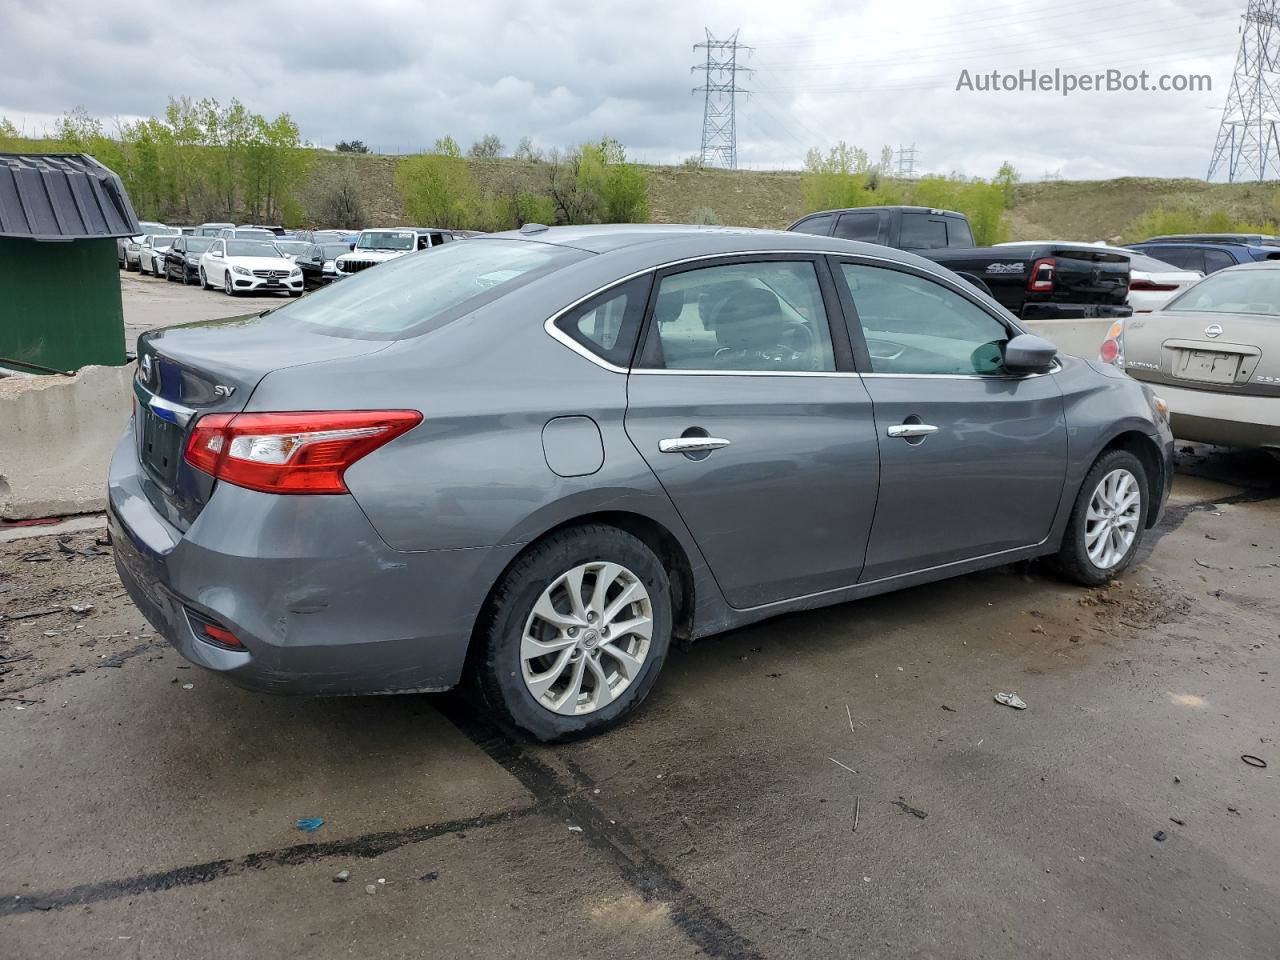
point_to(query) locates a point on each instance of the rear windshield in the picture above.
(411, 295)
(1151, 265)
(1243, 291)
(251, 248)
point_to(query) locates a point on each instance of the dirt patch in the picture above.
(63, 611)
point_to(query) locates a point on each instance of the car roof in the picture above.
(656, 244)
(1252, 265)
(1211, 244)
(887, 206)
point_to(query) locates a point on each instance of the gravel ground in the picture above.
(148, 809)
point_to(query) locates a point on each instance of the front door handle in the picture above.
(691, 444)
(906, 431)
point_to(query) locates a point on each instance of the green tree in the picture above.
(335, 199)
(351, 146)
(843, 177)
(446, 146)
(438, 190)
(1007, 178)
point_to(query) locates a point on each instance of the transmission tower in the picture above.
(906, 160)
(720, 89)
(1248, 145)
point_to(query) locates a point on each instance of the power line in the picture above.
(720, 95)
(907, 161)
(1248, 144)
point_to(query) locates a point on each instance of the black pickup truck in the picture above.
(1034, 281)
(1046, 281)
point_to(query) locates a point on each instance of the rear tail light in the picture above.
(1150, 285)
(1042, 272)
(1112, 349)
(291, 452)
(212, 632)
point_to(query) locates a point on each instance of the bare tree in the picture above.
(486, 148)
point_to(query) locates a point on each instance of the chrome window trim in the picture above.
(549, 325)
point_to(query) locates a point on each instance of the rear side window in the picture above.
(859, 226)
(608, 324)
(818, 226)
(411, 295)
(958, 233)
(751, 317)
(1188, 258)
(1217, 260)
(922, 232)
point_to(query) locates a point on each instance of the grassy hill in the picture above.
(1067, 209)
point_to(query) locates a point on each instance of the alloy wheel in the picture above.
(587, 638)
(1111, 524)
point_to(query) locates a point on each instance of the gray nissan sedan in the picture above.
(535, 458)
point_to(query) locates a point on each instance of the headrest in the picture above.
(670, 305)
(750, 319)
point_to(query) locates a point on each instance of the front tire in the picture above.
(1107, 521)
(227, 288)
(576, 633)
(204, 280)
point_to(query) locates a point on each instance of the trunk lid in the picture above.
(214, 366)
(1222, 352)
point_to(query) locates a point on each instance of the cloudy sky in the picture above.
(871, 72)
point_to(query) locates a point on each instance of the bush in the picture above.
(1160, 221)
(438, 190)
(704, 216)
(336, 200)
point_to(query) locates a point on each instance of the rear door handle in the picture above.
(908, 430)
(691, 444)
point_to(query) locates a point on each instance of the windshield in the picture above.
(292, 246)
(251, 248)
(387, 240)
(1243, 291)
(199, 244)
(162, 242)
(254, 234)
(411, 295)
(334, 250)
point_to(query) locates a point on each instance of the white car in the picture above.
(374, 247)
(247, 266)
(127, 248)
(1152, 282)
(151, 253)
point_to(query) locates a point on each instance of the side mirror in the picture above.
(351, 246)
(1027, 353)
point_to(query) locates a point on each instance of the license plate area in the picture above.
(1207, 366)
(160, 448)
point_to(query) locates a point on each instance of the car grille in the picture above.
(354, 266)
(271, 274)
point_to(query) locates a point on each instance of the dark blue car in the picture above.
(1206, 255)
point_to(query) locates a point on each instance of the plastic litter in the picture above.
(308, 824)
(342, 876)
(370, 889)
(1253, 761)
(1011, 700)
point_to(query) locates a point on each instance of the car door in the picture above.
(215, 263)
(746, 408)
(972, 458)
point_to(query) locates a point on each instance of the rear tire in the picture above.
(1096, 546)
(588, 679)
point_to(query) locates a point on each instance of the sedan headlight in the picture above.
(242, 270)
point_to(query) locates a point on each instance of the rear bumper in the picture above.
(320, 602)
(1049, 310)
(1230, 420)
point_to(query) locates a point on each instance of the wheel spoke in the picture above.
(573, 584)
(568, 702)
(605, 577)
(540, 683)
(602, 695)
(639, 626)
(629, 665)
(547, 611)
(532, 647)
(630, 594)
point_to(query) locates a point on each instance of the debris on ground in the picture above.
(81, 608)
(188, 686)
(857, 811)
(905, 807)
(1253, 761)
(1011, 700)
(948, 709)
(839, 764)
(1159, 836)
(370, 889)
(429, 876)
(342, 876)
(310, 824)
(575, 829)
(1181, 823)
(31, 614)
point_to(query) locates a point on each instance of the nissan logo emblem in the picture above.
(1213, 330)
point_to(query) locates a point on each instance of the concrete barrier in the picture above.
(57, 435)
